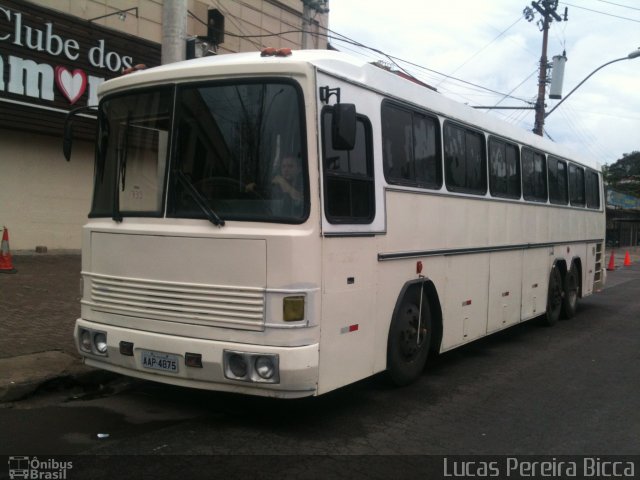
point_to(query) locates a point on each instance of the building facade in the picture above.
(53, 56)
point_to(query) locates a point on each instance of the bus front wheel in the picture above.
(409, 340)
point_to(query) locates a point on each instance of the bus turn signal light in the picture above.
(293, 309)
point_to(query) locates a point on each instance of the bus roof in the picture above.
(349, 68)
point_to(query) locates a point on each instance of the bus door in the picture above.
(351, 217)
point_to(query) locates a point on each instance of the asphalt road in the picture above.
(571, 389)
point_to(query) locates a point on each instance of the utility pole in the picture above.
(306, 23)
(547, 10)
(317, 6)
(174, 31)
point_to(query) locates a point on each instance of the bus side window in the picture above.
(504, 169)
(576, 185)
(558, 187)
(534, 176)
(411, 147)
(465, 160)
(348, 175)
(593, 189)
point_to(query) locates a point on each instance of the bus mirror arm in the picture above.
(67, 140)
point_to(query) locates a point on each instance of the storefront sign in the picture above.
(622, 200)
(51, 62)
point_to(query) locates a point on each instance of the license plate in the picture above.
(160, 361)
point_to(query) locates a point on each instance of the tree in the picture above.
(624, 175)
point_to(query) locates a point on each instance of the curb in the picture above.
(23, 375)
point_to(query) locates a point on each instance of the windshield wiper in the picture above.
(121, 153)
(212, 216)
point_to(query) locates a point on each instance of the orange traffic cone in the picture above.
(612, 262)
(627, 259)
(6, 265)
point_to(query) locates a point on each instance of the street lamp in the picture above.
(634, 54)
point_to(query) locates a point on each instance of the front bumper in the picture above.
(298, 366)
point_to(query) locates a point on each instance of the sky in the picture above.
(491, 44)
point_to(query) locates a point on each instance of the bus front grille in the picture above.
(197, 304)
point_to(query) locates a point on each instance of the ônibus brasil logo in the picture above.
(31, 468)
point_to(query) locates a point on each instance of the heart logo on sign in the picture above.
(71, 84)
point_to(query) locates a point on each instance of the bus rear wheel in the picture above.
(554, 298)
(570, 298)
(409, 340)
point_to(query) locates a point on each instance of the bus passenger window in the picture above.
(534, 176)
(504, 169)
(411, 148)
(348, 175)
(593, 189)
(558, 187)
(576, 185)
(465, 160)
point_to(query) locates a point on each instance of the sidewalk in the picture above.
(38, 309)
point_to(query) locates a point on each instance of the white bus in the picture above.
(288, 224)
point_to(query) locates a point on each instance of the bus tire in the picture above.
(570, 296)
(554, 298)
(406, 352)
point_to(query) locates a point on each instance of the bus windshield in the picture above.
(236, 152)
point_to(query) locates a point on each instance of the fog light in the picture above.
(264, 367)
(100, 342)
(238, 365)
(293, 309)
(85, 340)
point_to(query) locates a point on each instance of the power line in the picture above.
(619, 5)
(482, 49)
(602, 13)
(458, 79)
(231, 17)
(343, 38)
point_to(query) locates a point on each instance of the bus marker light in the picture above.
(350, 328)
(419, 267)
(193, 360)
(505, 294)
(275, 52)
(268, 52)
(126, 348)
(466, 303)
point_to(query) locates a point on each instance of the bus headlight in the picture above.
(92, 341)
(251, 367)
(100, 341)
(237, 365)
(293, 308)
(265, 367)
(85, 340)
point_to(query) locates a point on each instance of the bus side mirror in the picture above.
(343, 126)
(67, 140)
